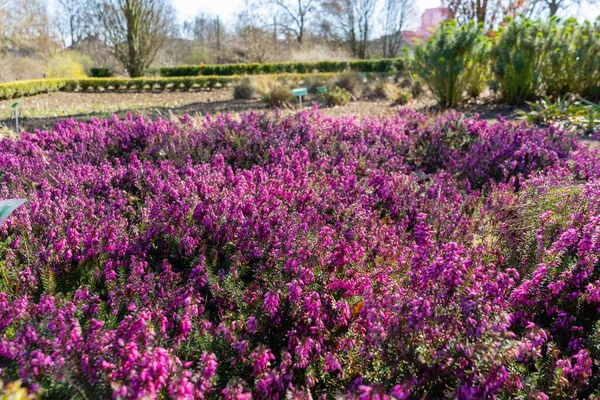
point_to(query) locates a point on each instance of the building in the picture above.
(430, 19)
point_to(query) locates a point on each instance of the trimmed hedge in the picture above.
(32, 87)
(101, 73)
(385, 65)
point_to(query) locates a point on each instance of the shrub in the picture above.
(394, 93)
(279, 96)
(264, 83)
(244, 90)
(374, 66)
(335, 97)
(30, 88)
(477, 72)
(67, 64)
(101, 72)
(33, 87)
(444, 61)
(571, 58)
(350, 82)
(518, 60)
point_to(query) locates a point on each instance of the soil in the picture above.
(43, 111)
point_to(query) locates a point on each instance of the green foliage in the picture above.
(374, 66)
(553, 58)
(518, 59)
(580, 114)
(571, 55)
(244, 90)
(477, 72)
(450, 62)
(335, 97)
(32, 87)
(101, 73)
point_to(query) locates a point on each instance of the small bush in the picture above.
(279, 96)
(444, 61)
(335, 97)
(393, 93)
(101, 72)
(244, 90)
(264, 83)
(67, 65)
(477, 69)
(351, 82)
(517, 60)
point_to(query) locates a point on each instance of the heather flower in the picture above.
(299, 257)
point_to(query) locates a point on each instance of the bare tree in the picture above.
(257, 42)
(552, 7)
(294, 15)
(352, 20)
(203, 28)
(396, 15)
(485, 12)
(136, 29)
(75, 19)
(25, 24)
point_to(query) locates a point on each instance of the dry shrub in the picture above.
(244, 90)
(351, 82)
(13, 68)
(279, 96)
(264, 83)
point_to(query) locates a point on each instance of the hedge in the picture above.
(32, 87)
(385, 65)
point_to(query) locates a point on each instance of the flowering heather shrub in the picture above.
(300, 257)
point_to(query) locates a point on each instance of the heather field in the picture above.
(303, 256)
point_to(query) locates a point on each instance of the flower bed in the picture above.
(275, 257)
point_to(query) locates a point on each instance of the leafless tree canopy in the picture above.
(25, 25)
(397, 14)
(550, 8)
(353, 22)
(294, 15)
(75, 20)
(136, 29)
(485, 12)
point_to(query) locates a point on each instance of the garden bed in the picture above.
(299, 257)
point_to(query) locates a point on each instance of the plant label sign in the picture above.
(300, 92)
(8, 206)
